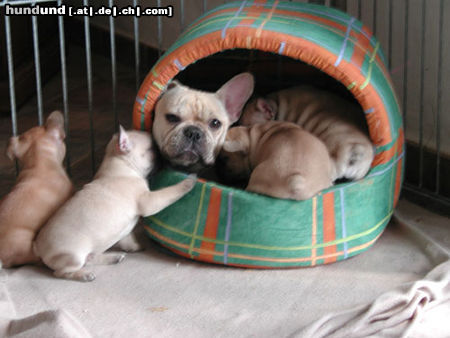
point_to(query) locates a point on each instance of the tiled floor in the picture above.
(80, 145)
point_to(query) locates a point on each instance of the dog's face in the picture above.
(233, 160)
(259, 110)
(135, 148)
(190, 125)
(46, 140)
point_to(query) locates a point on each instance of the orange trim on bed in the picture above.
(329, 226)
(212, 223)
(296, 48)
(387, 155)
(398, 175)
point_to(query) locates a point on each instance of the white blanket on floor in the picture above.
(380, 293)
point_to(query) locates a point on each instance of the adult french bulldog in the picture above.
(280, 159)
(190, 125)
(338, 123)
(106, 210)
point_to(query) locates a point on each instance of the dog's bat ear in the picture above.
(123, 143)
(265, 107)
(235, 93)
(11, 149)
(55, 125)
(172, 84)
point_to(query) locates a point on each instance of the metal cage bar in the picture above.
(62, 55)
(37, 65)
(113, 68)
(413, 19)
(137, 60)
(87, 41)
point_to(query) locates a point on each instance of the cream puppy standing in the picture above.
(106, 210)
(42, 187)
(281, 159)
(338, 123)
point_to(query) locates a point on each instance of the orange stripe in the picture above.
(387, 155)
(212, 222)
(329, 227)
(364, 42)
(296, 48)
(398, 175)
(314, 229)
(254, 11)
(269, 16)
(247, 22)
(254, 258)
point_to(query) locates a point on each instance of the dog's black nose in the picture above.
(193, 133)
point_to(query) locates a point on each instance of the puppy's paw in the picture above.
(129, 244)
(119, 258)
(105, 258)
(80, 275)
(189, 182)
(359, 161)
(87, 277)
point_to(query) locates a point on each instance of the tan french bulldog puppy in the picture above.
(338, 123)
(190, 125)
(281, 159)
(106, 210)
(41, 188)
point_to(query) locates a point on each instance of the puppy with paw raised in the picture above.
(106, 210)
(337, 122)
(41, 188)
(280, 159)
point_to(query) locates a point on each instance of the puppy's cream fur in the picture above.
(338, 123)
(281, 159)
(190, 125)
(41, 188)
(106, 210)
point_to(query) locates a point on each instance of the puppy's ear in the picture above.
(266, 107)
(123, 142)
(55, 125)
(235, 93)
(172, 84)
(11, 149)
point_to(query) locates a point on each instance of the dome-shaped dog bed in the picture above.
(219, 224)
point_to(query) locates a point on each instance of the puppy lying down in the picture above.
(105, 211)
(340, 124)
(279, 158)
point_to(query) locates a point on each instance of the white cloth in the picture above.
(153, 293)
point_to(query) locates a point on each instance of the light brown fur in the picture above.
(105, 211)
(281, 159)
(338, 123)
(41, 188)
(183, 112)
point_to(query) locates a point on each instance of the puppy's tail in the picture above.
(298, 187)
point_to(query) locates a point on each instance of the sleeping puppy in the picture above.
(281, 159)
(41, 188)
(106, 210)
(338, 123)
(190, 125)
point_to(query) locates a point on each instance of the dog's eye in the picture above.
(215, 124)
(172, 118)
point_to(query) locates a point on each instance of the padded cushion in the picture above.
(222, 225)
